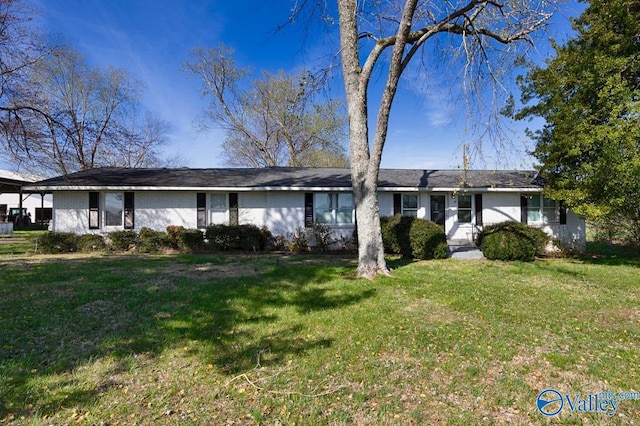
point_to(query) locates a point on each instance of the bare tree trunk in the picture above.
(364, 174)
(370, 249)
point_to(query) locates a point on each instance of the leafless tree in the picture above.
(275, 120)
(390, 34)
(69, 116)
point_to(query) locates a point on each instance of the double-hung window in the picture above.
(333, 208)
(410, 205)
(464, 208)
(405, 204)
(541, 210)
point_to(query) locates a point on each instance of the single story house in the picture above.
(285, 199)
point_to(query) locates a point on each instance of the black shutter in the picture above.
(397, 204)
(128, 210)
(201, 207)
(524, 201)
(94, 210)
(308, 210)
(563, 213)
(233, 209)
(478, 209)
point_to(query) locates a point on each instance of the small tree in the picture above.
(275, 120)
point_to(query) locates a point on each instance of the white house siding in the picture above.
(159, 209)
(285, 212)
(252, 208)
(70, 212)
(500, 207)
(572, 235)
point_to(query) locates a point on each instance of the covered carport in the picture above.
(12, 183)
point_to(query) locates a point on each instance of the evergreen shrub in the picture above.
(512, 241)
(58, 242)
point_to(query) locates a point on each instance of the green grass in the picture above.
(206, 339)
(19, 243)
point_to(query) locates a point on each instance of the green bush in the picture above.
(122, 240)
(150, 241)
(58, 242)
(428, 240)
(190, 239)
(91, 242)
(413, 237)
(240, 237)
(173, 234)
(395, 234)
(512, 241)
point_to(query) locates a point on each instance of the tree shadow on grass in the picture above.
(66, 313)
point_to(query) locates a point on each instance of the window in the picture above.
(113, 208)
(333, 208)
(410, 205)
(218, 208)
(550, 211)
(540, 209)
(464, 208)
(118, 209)
(405, 204)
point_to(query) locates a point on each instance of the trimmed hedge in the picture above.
(190, 240)
(512, 241)
(428, 240)
(413, 237)
(91, 242)
(58, 242)
(150, 241)
(395, 234)
(123, 240)
(237, 237)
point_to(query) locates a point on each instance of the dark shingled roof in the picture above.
(289, 177)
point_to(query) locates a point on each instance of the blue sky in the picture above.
(153, 38)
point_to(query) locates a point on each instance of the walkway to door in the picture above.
(464, 250)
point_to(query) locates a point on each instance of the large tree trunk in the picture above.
(370, 249)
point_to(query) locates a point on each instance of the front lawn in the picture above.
(272, 339)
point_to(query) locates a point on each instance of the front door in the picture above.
(438, 209)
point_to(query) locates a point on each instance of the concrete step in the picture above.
(464, 250)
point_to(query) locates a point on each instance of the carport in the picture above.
(11, 183)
